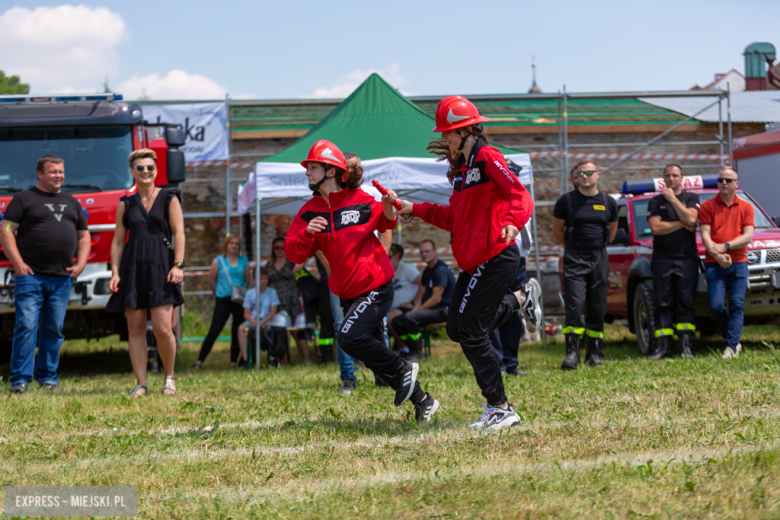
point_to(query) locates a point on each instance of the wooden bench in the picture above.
(427, 337)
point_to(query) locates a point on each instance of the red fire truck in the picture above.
(94, 134)
(630, 289)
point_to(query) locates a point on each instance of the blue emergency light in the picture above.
(693, 182)
(61, 98)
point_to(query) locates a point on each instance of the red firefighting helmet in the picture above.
(326, 152)
(456, 112)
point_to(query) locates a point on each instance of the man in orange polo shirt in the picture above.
(727, 225)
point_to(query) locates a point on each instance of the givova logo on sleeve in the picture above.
(352, 216)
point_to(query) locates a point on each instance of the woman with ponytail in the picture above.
(340, 221)
(487, 209)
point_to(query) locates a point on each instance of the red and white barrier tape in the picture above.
(448, 250)
(208, 164)
(664, 156)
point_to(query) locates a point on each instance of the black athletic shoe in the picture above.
(514, 372)
(425, 410)
(408, 380)
(347, 385)
(19, 387)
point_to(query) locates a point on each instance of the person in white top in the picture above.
(407, 282)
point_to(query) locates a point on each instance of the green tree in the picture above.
(11, 85)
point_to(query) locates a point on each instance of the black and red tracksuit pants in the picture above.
(362, 336)
(481, 302)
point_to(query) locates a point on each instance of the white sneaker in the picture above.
(531, 309)
(739, 348)
(495, 418)
(729, 353)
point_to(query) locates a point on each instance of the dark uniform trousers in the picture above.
(674, 282)
(362, 336)
(585, 277)
(506, 338)
(480, 303)
(409, 326)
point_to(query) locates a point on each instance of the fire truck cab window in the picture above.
(95, 157)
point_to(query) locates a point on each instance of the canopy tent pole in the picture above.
(257, 281)
(536, 257)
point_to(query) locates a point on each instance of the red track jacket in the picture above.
(486, 197)
(358, 262)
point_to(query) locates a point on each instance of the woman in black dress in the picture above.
(146, 270)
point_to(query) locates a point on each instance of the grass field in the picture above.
(636, 439)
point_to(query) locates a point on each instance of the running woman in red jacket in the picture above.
(340, 221)
(487, 209)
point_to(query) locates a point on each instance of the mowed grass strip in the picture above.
(677, 438)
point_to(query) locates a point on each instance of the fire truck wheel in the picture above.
(644, 318)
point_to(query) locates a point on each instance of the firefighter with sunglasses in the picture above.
(585, 222)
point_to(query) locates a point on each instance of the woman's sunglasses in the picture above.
(589, 173)
(140, 168)
(723, 179)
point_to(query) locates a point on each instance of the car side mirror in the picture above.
(776, 220)
(621, 238)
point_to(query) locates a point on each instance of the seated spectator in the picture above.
(274, 339)
(282, 275)
(431, 303)
(407, 282)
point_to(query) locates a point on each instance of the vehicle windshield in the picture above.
(642, 230)
(95, 156)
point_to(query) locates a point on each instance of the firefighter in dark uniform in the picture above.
(672, 219)
(585, 222)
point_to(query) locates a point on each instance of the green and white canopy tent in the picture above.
(388, 132)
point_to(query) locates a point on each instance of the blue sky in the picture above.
(305, 48)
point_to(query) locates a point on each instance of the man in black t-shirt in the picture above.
(585, 222)
(430, 304)
(672, 219)
(51, 229)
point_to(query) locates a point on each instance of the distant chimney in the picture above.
(756, 57)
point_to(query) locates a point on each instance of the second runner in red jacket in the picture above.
(340, 221)
(487, 209)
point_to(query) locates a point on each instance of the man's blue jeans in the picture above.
(346, 362)
(38, 299)
(734, 281)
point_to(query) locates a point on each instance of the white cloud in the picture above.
(349, 82)
(65, 47)
(177, 84)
